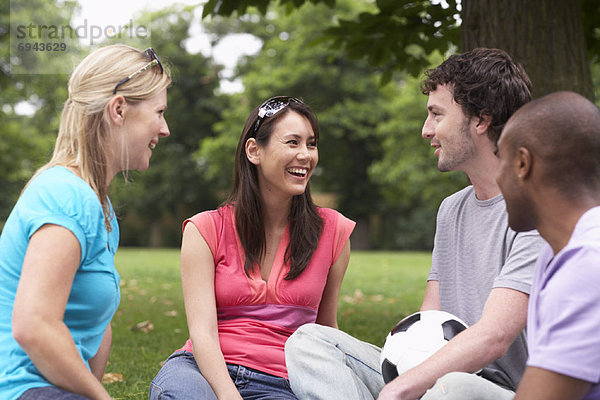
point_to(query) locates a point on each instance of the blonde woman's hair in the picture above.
(84, 124)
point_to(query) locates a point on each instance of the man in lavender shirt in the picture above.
(550, 176)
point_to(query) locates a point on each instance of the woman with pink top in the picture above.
(259, 267)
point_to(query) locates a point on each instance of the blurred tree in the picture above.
(407, 170)
(27, 139)
(547, 37)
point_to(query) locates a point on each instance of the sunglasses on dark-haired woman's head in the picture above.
(272, 107)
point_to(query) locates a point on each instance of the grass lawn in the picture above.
(379, 289)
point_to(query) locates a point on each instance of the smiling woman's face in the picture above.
(144, 125)
(287, 162)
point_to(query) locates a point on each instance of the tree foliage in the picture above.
(399, 35)
(27, 139)
(226, 7)
(393, 35)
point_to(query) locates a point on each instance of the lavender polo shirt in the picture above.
(563, 323)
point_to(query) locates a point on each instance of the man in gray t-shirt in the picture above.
(481, 270)
(475, 252)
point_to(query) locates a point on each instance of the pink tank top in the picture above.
(255, 317)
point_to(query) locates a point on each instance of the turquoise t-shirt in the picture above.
(57, 196)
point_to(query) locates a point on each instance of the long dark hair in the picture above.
(305, 223)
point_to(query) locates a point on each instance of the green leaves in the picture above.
(396, 35)
(26, 140)
(228, 7)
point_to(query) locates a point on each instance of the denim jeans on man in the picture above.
(180, 378)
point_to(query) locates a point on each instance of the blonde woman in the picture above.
(59, 287)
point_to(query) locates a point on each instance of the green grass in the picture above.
(379, 289)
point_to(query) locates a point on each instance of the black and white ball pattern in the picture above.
(415, 338)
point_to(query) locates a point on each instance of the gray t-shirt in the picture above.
(474, 252)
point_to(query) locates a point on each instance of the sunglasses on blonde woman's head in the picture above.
(272, 107)
(153, 61)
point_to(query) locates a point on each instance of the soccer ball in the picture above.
(415, 338)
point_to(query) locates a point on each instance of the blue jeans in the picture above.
(326, 363)
(180, 379)
(50, 393)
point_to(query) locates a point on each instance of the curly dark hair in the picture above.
(484, 82)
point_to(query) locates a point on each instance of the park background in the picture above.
(357, 63)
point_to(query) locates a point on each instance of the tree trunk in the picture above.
(545, 36)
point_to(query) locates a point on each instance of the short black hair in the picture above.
(563, 130)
